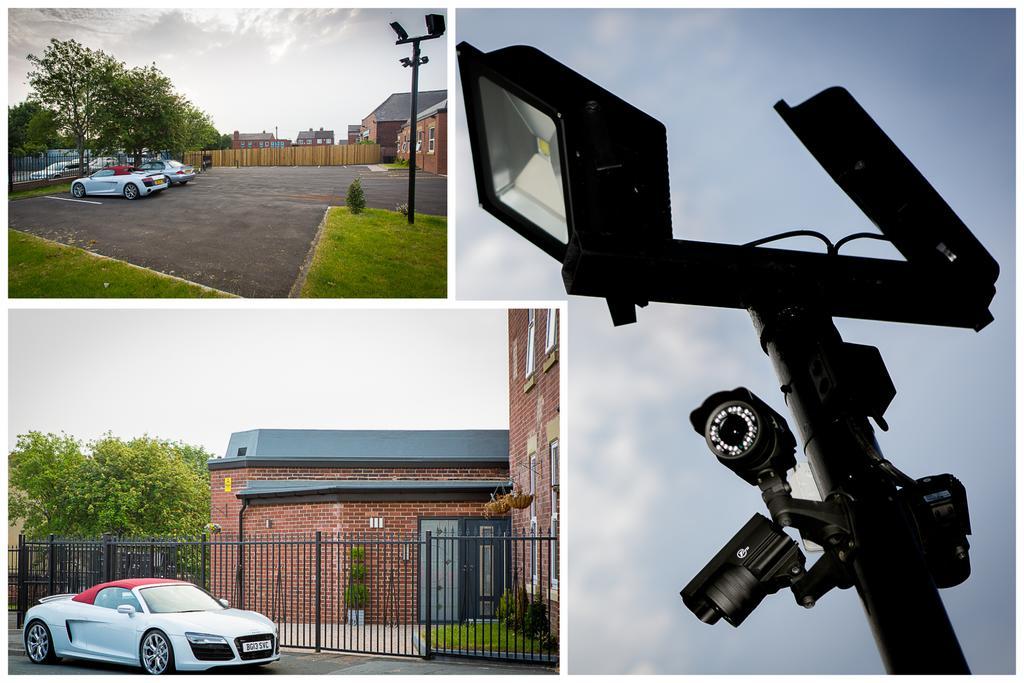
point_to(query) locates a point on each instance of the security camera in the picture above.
(745, 434)
(759, 560)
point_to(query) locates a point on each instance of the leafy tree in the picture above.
(73, 81)
(43, 133)
(140, 112)
(18, 118)
(225, 141)
(193, 129)
(43, 473)
(138, 487)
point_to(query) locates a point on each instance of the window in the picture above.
(553, 532)
(242, 450)
(531, 322)
(112, 598)
(533, 486)
(534, 556)
(430, 140)
(553, 448)
(551, 332)
(376, 522)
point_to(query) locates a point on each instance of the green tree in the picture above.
(138, 487)
(43, 473)
(140, 112)
(355, 199)
(18, 118)
(43, 133)
(225, 141)
(193, 129)
(73, 81)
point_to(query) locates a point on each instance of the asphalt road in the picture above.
(245, 231)
(290, 664)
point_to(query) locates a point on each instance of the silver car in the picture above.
(177, 173)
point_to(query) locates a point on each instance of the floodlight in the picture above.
(435, 24)
(886, 186)
(556, 154)
(399, 31)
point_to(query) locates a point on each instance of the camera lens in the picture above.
(733, 430)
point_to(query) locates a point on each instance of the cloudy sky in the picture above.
(250, 69)
(648, 504)
(199, 375)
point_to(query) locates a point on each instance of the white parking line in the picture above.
(81, 201)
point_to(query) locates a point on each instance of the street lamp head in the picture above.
(435, 25)
(399, 31)
(556, 156)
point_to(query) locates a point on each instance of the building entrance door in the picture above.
(486, 566)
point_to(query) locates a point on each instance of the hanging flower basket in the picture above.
(519, 500)
(497, 506)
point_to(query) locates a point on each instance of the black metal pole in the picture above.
(909, 622)
(412, 130)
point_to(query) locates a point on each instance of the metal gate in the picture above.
(457, 588)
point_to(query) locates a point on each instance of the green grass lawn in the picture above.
(399, 166)
(40, 268)
(40, 191)
(491, 636)
(377, 254)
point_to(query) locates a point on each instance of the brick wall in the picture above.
(533, 426)
(431, 162)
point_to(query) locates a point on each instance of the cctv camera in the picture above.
(745, 434)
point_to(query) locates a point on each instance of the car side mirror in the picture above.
(126, 609)
(224, 602)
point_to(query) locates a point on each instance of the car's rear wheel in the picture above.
(39, 644)
(78, 189)
(131, 191)
(156, 654)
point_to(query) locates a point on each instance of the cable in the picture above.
(861, 236)
(793, 233)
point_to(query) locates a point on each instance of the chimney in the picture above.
(236, 135)
(321, 127)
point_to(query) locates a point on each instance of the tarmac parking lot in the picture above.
(241, 230)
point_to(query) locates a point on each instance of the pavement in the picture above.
(246, 231)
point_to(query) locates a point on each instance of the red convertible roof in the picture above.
(89, 596)
(121, 170)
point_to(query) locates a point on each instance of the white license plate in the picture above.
(256, 646)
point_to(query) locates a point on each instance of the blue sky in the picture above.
(648, 504)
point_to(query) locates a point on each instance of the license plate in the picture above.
(159, 181)
(256, 646)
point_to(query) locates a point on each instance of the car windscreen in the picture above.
(175, 164)
(178, 598)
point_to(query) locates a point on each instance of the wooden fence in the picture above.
(314, 155)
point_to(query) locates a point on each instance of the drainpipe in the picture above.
(240, 560)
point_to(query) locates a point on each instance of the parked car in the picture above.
(122, 180)
(176, 172)
(59, 169)
(161, 625)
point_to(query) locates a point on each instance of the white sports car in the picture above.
(120, 180)
(162, 625)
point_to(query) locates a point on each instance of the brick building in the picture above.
(262, 140)
(431, 138)
(355, 483)
(383, 124)
(534, 406)
(315, 137)
(354, 134)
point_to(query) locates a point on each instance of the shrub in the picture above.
(355, 200)
(535, 622)
(402, 208)
(357, 596)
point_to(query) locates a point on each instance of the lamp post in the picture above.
(551, 163)
(435, 29)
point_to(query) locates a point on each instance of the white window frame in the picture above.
(530, 332)
(551, 330)
(554, 569)
(554, 452)
(534, 556)
(430, 140)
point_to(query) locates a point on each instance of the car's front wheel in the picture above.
(39, 644)
(131, 191)
(156, 654)
(78, 189)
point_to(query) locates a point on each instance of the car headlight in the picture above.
(205, 639)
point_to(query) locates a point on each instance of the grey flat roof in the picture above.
(371, 446)
(396, 107)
